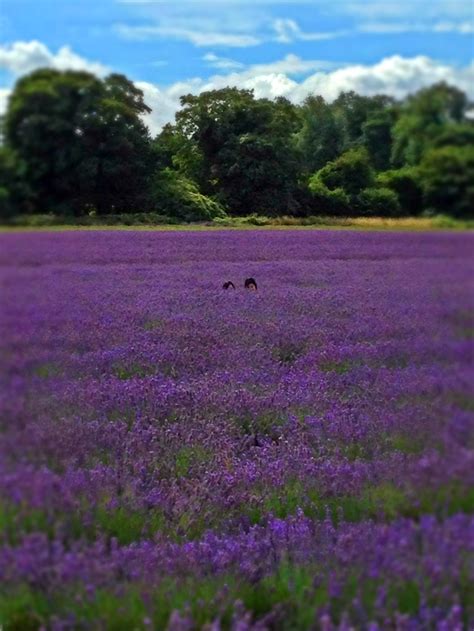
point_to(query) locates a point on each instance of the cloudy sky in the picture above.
(275, 47)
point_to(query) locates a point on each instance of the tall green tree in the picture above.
(377, 138)
(425, 115)
(73, 143)
(353, 110)
(447, 177)
(406, 185)
(239, 149)
(165, 148)
(82, 140)
(320, 138)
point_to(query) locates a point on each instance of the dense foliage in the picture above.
(173, 455)
(76, 144)
(82, 141)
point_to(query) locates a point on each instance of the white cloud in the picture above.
(462, 28)
(23, 57)
(244, 33)
(465, 28)
(247, 23)
(4, 95)
(291, 65)
(163, 102)
(196, 36)
(396, 76)
(222, 63)
(288, 31)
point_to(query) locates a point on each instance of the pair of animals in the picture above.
(250, 283)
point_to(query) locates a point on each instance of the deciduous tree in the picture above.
(82, 140)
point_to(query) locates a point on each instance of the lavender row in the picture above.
(310, 443)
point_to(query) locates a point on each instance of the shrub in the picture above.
(378, 202)
(6, 209)
(177, 196)
(255, 220)
(326, 201)
(13, 187)
(405, 183)
(351, 172)
(447, 178)
(124, 219)
(455, 134)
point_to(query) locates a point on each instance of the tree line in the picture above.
(74, 144)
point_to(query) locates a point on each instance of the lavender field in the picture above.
(176, 456)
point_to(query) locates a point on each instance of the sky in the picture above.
(275, 47)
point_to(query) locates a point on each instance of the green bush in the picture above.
(447, 178)
(255, 220)
(405, 183)
(14, 190)
(6, 209)
(125, 219)
(175, 195)
(37, 221)
(351, 172)
(455, 134)
(326, 201)
(378, 202)
(450, 223)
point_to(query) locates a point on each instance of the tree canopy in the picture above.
(82, 140)
(77, 144)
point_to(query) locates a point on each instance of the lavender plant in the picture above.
(175, 456)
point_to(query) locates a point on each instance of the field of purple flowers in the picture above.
(175, 456)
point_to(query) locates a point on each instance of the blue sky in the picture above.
(288, 48)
